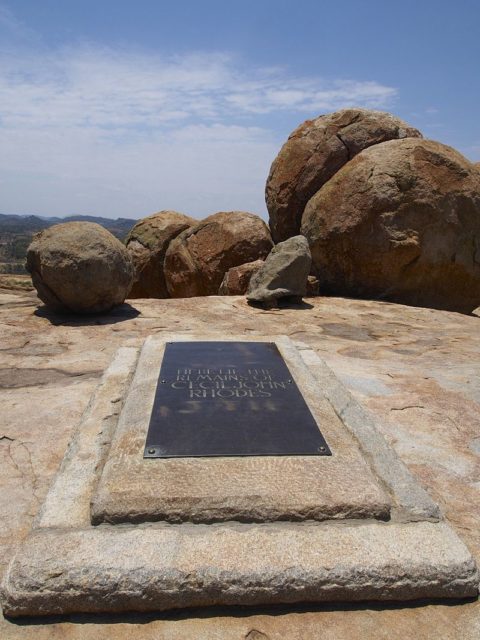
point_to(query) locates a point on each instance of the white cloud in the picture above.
(308, 96)
(91, 87)
(89, 129)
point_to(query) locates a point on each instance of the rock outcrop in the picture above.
(235, 282)
(400, 222)
(147, 244)
(197, 260)
(314, 152)
(416, 369)
(79, 267)
(283, 274)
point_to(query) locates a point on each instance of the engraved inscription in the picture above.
(228, 382)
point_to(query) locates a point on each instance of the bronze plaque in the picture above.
(229, 399)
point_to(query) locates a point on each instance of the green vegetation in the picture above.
(16, 282)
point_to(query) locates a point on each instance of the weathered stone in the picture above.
(284, 272)
(147, 244)
(79, 267)
(314, 152)
(170, 566)
(235, 282)
(400, 222)
(197, 260)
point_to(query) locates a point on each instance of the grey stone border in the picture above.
(67, 504)
(148, 568)
(413, 501)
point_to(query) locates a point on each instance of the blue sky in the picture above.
(120, 108)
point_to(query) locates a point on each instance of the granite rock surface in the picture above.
(416, 369)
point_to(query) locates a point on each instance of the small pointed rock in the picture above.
(283, 274)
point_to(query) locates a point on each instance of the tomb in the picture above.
(210, 472)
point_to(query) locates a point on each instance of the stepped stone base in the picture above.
(68, 565)
(246, 489)
(164, 567)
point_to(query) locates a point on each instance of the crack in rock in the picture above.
(409, 406)
(24, 467)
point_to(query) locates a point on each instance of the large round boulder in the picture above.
(314, 152)
(147, 244)
(400, 222)
(199, 257)
(79, 267)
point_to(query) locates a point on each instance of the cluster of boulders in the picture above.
(359, 205)
(80, 267)
(387, 214)
(198, 259)
(314, 152)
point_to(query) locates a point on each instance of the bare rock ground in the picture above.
(417, 370)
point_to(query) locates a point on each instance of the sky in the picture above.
(121, 108)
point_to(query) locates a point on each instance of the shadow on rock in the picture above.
(118, 314)
(232, 611)
(292, 302)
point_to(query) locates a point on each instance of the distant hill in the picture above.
(22, 224)
(16, 233)
(31, 223)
